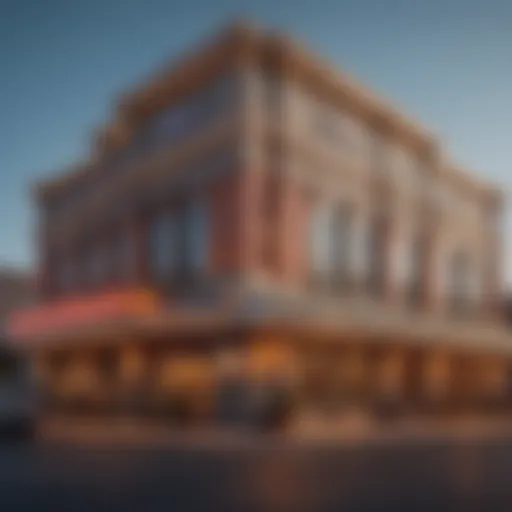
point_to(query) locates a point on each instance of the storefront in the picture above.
(126, 354)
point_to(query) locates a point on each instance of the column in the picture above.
(399, 254)
(436, 378)
(132, 369)
(252, 165)
(433, 288)
(390, 375)
(493, 260)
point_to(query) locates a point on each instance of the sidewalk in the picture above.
(357, 432)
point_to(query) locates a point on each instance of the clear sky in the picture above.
(448, 63)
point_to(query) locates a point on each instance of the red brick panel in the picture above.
(226, 224)
(293, 240)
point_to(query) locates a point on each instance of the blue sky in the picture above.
(446, 63)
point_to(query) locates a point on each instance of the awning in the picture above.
(80, 311)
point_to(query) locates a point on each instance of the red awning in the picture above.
(83, 310)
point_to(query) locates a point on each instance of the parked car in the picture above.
(19, 403)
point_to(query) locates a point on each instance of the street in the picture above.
(430, 476)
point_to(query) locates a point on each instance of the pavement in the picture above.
(117, 469)
(90, 464)
(311, 431)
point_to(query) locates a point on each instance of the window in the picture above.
(125, 260)
(377, 254)
(378, 154)
(416, 268)
(97, 265)
(163, 246)
(342, 245)
(461, 286)
(178, 120)
(66, 275)
(327, 123)
(321, 247)
(273, 91)
(355, 134)
(196, 238)
(332, 246)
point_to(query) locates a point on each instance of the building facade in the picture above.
(252, 214)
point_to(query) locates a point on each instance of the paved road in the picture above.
(420, 478)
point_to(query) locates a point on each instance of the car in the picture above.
(18, 393)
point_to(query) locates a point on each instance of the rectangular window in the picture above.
(461, 285)
(66, 275)
(125, 259)
(377, 254)
(196, 238)
(163, 258)
(417, 260)
(321, 246)
(342, 246)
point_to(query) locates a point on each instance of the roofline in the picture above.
(243, 41)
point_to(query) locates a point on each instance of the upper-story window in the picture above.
(343, 245)
(179, 243)
(273, 92)
(331, 245)
(163, 246)
(327, 123)
(416, 268)
(196, 245)
(98, 265)
(321, 244)
(378, 151)
(376, 249)
(178, 120)
(461, 280)
(421, 172)
(353, 134)
(493, 217)
(339, 127)
(401, 163)
(66, 275)
(125, 256)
